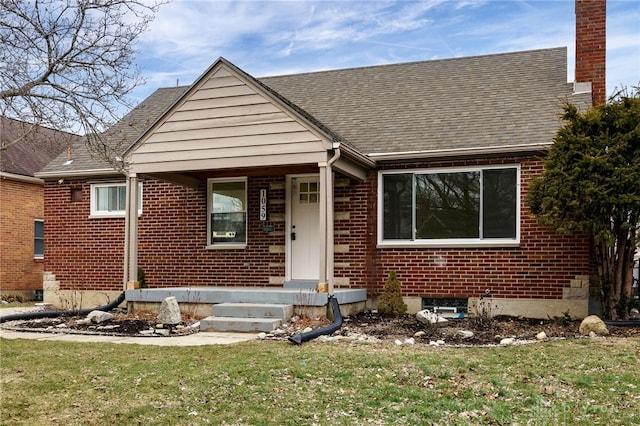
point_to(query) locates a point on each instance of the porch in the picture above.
(247, 309)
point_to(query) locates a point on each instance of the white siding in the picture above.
(224, 124)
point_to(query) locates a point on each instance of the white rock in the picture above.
(440, 342)
(507, 341)
(419, 334)
(541, 336)
(308, 329)
(410, 341)
(162, 331)
(169, 312)
(466, 334)
(428, 317)
(432, 343)
(262, 335)
(84, 321)
(594, 324)
(277, 332)
(61, 326)
(398, 342)
(97, 317)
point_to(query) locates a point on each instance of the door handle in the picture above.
(293, 236)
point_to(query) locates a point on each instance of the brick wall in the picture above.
(591, 46)
(87, 253)
(542, 265)
(20, 204)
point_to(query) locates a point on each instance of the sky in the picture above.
(275, 37)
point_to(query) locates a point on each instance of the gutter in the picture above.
(21, 178)
(77, 174)
(421, 154)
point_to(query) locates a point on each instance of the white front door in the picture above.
(304, 244)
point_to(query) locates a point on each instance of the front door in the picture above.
(304, 245)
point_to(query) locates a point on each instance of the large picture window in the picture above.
(110, 199)
(456, 206)
(227, 212)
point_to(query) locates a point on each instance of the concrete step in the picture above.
(239, 324)
(301, 284)
(253, 310)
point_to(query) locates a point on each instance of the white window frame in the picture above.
(450, 242)
(95, 213)
(37, 255)
(230, 245)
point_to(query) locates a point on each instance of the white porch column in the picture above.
(323, 223)
(131, 231)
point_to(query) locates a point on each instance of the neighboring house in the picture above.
(22, 203)
(333, 177)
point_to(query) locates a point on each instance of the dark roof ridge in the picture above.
(400, 64)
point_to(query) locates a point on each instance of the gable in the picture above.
(226, 121)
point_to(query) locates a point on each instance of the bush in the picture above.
(390, 302)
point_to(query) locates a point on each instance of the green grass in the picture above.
(583, 382)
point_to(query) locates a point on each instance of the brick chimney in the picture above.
(591, 47)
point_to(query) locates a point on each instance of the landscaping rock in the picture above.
(428, 317)
(97, 317)
(507, 341)
(594, 324)
(169, 312)
(541, 336)
(466, 334)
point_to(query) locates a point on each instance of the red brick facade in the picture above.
(87, 253)
(22, 204)
(591, 46)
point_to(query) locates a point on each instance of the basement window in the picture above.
(447, 307)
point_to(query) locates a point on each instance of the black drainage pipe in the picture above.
(623, 323)
(55, 314)
(298, 339)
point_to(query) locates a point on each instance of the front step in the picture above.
(246, 317)
(243, 325)
(253, 310)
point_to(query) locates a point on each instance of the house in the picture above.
(22, 204)
(333, 177)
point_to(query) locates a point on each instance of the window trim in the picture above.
(449, 242)
(210, 182)
(35, 237)
(95, 213)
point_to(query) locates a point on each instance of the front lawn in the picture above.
(578, 382)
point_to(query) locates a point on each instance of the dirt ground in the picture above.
(367, 326)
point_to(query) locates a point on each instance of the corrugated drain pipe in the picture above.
(54, 314)
(298, 339)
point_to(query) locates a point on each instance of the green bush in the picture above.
(390, 302)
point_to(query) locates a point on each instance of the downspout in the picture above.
(54, 314)
(298, 339)
(330, 208)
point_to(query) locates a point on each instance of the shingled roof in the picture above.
(122, 134)
(480, 102)
(35, 147)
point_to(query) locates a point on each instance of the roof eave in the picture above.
(459, 152)
(77, 174)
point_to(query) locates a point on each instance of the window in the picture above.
(38, 239)
(450, 206)
(110, 199)
(227, 212)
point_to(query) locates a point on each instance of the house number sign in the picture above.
(263, 204)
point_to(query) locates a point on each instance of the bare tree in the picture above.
(68, 65)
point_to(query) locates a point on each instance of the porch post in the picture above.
(323, 223)
(131, 229)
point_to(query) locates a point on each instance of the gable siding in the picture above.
(226, 123)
